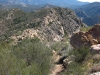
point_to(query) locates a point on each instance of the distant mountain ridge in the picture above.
(90, 13)
(62, 3)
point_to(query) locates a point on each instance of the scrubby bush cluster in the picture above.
(79, 65)
(29, 57)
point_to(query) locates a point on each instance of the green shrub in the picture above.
(85, 28)
(29, 57)
(77, 67)
(34, 51)
(80, 54)
(74, 69)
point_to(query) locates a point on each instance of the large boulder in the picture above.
(88, 38)
(79, 39)
(95, 33)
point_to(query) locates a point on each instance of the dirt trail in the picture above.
(58, 64)
(57, 69)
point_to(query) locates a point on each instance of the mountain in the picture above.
(26, 3)
(90, 13)
(37, 43)
(48, 23)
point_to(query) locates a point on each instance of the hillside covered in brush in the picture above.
(48, 23)
(27, 39)
(44, 42)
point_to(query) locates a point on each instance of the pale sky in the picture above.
(89, 0)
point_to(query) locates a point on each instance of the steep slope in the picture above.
(51, 24)
(89, 13)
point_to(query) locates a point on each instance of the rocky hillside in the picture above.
(40, 43)
(50, 24)
(89, 13)
(28, 40)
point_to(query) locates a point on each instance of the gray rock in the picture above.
(95, 48)
(97, 73)
(95, 68)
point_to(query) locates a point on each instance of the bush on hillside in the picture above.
(29, 57)
(77, 67)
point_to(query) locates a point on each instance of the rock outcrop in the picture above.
(52, 23)
(88, 38)
(58, 23)
(28, 33)
(95, 48)
(95, 34)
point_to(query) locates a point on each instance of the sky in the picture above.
(89, 0)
